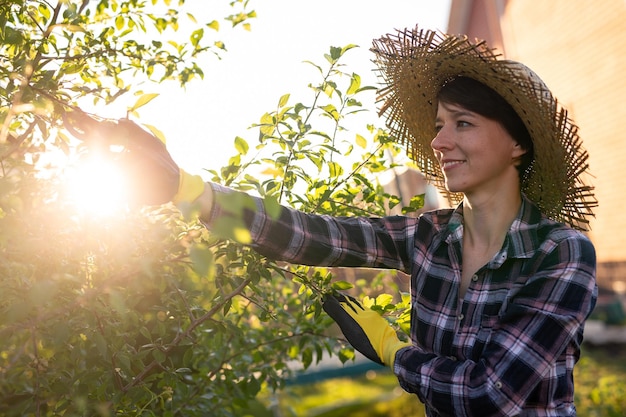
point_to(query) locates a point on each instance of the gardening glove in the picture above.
(153, 176)
(366, 330)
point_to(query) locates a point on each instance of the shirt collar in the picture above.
(521, 239)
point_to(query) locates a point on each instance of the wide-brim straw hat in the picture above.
(414, 64)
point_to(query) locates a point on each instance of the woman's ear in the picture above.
(517, 154)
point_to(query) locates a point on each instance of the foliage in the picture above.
(374, 394)
(600, 378)
(146, 313)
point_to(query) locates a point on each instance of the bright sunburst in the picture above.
(96, 186)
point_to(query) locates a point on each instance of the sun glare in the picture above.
(96, 186)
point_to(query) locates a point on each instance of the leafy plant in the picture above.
(600, 382)
(146, 312)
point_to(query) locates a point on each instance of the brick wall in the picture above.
(578, 47)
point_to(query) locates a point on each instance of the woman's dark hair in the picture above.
(478, 98)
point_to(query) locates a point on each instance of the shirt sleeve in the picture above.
(543, 319)
(307, 239)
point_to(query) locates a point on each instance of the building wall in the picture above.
(478, 19)
(578, 47)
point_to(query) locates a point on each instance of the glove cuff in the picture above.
(390, 351)
(190, 187)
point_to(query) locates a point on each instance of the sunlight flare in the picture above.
(97, 186)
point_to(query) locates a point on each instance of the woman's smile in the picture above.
(450, 164)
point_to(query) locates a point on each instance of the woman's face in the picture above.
(476, 154)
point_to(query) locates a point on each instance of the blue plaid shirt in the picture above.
(508, 348)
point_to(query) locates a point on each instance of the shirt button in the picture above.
(475, 278)
(461, 317)
(453, 358)
(498, 384)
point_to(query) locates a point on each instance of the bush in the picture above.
(145, 312)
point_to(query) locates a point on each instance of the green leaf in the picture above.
(119, 22)
(272, 207)
(101, 343)
(124, 361)
(384, 299)
(145, 333)
(415, 204)
(192, 18)
(303, 288)
(331, 110)
(346, 354)
(196, 36)
(335, 169)
(201, 259)
(335, 53)
(348, 47)
(355, 84)
(341, 285)
(283, 100)
(227, 305)
(44, 10)
(361, 141)
(232, 228)
(241, 145)
(143, 100)
(307, 358)
(267, 124)
(72, 28)
(314, 65)
(293, 351)
(156, 132)
(158, 355)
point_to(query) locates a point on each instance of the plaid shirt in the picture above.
(508, 348)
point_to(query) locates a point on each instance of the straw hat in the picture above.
(414, 64)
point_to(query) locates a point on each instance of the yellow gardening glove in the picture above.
(365, 329)
(190, 187)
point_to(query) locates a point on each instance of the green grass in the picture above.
(376, 394)
(600, 379)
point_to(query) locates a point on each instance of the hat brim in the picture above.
(414, 64)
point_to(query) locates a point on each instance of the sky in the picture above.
(201, 122)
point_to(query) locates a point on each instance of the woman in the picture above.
(502, 284)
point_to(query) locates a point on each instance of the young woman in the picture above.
(502, 283)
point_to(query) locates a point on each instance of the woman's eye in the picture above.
(438, 128)
(463, 123)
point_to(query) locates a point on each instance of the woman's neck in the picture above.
(487, 220)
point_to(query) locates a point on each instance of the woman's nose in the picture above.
(441, 140)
